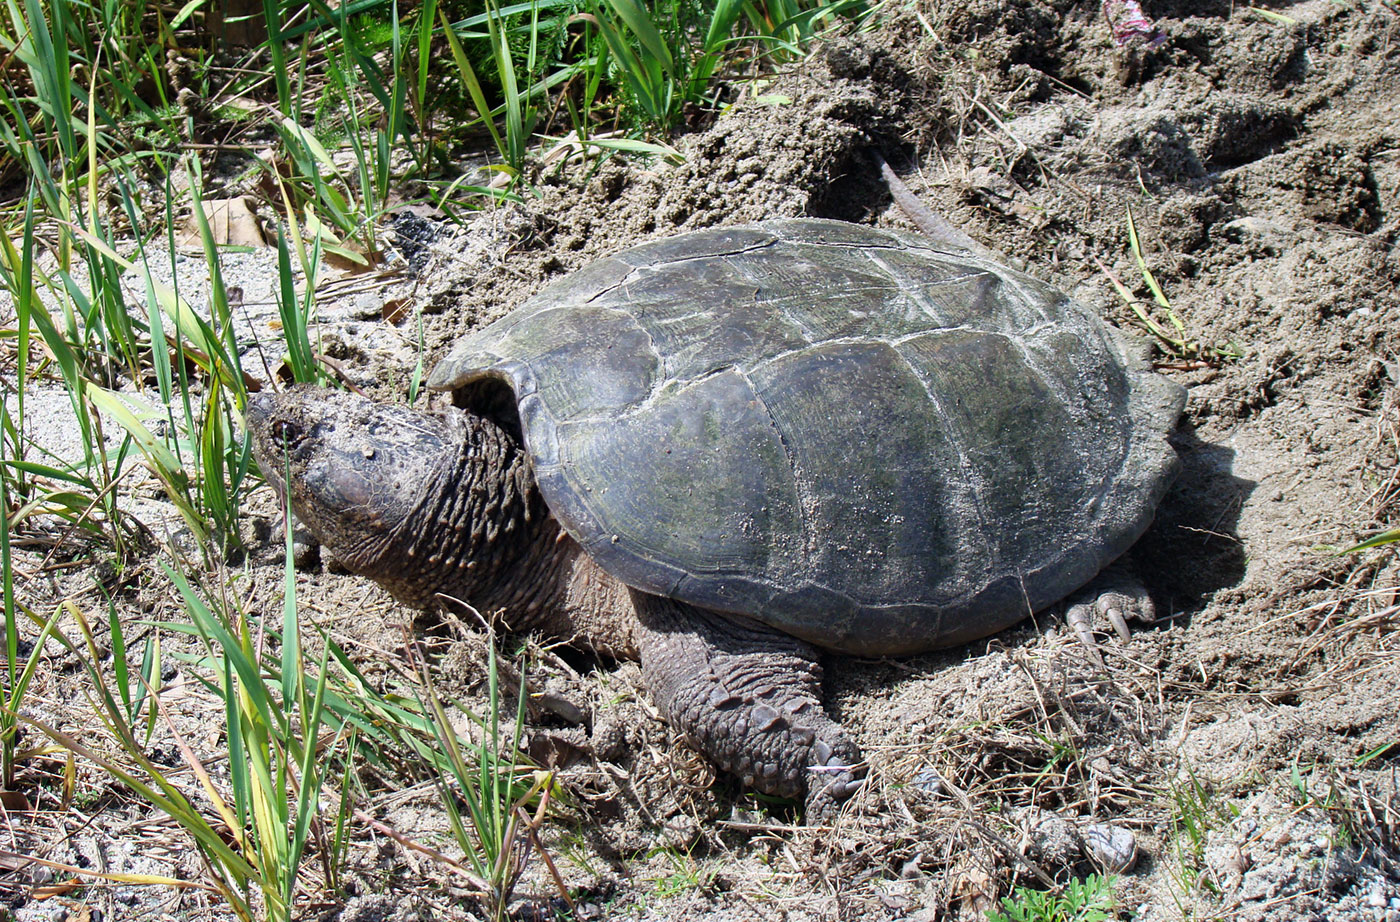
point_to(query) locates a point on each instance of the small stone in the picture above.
(1259, 229)
(306, 552)
(928, 781)
(367, 307)
(1112, 848)
(1376, 897)
(609, 738)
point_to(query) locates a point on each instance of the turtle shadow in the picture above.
(1193, 549)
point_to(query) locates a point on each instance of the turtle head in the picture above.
(357, 473)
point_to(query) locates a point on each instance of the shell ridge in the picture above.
(662, 362)
(911, 291)
(737, 250)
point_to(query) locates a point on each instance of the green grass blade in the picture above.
(799, 21)
(301, 359)
(119, 664)
(236, 652)
(272, 20)
(1157, 293)
(8, 725)
(291, 646)
(514, 105)
(1390, 536)
(312, 768)
(473, 85)
(643, 81)
(223, 351)
(721, 25)
(635, 15)
(150, 679)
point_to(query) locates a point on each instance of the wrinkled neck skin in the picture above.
(481, 534)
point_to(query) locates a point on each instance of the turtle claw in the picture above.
(1117, 601)
(749, 697)
(829, 787)
(1120, 624)
(1080, 619)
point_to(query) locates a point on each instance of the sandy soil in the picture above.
(1246, 742)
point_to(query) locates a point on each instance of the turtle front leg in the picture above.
(750, 697)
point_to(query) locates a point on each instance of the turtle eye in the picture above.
(286, 432)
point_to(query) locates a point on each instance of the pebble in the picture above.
(367, 307)
(1112, 848)
(928, 781)
(305, 549)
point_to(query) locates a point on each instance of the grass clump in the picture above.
(254, 830)
(1172, 335)
(1081, 900)
(1196, 811)
(483, 795)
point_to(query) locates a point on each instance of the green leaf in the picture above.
(639, 21)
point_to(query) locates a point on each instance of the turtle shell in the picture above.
(872, 441)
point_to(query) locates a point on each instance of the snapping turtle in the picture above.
(728, 450)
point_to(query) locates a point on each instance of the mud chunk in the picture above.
(1186, 220)
(1112, 848)
(1155, 140)
(1050, 838)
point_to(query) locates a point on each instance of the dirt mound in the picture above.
(1262, 186)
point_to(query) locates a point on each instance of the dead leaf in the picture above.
(59, 889)
(231, 221)
(976, 890)
(557, 749)
(349, 258)
(15, 802)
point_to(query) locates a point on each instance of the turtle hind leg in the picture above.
(1115, 596)
(750, 697)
